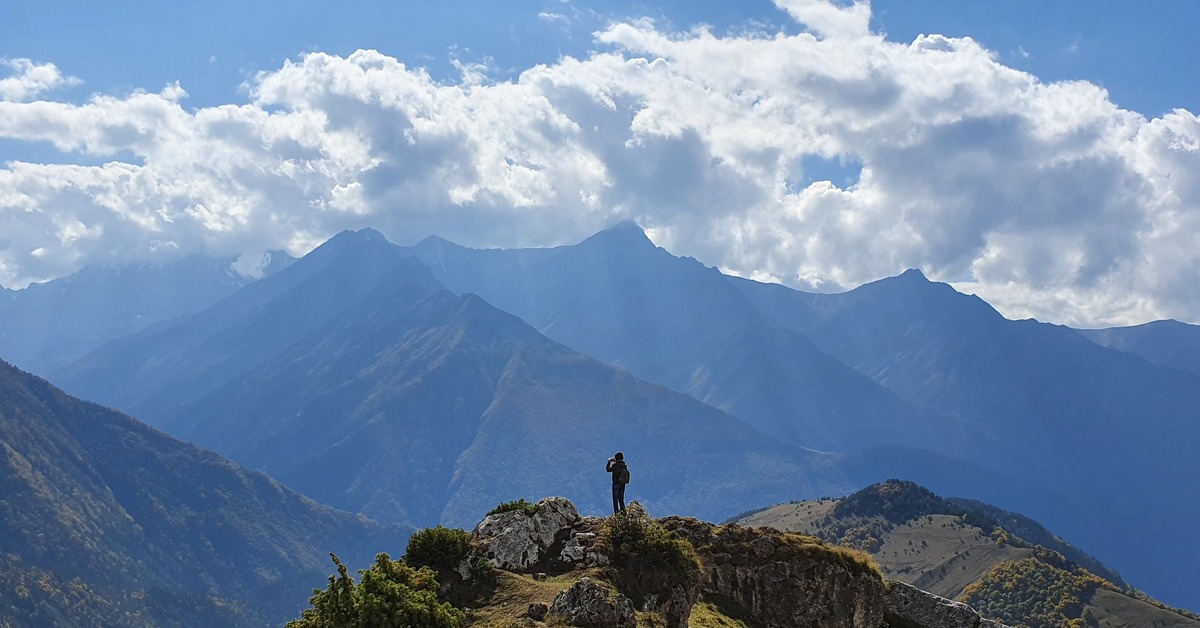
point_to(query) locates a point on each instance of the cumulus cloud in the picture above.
(1045, 198)
(30, 80)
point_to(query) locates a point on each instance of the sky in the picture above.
(1045, 156)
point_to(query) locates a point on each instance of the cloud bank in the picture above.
(1046, 199)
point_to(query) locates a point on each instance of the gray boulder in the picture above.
(516, 541)
(590, 605)
(931, 610)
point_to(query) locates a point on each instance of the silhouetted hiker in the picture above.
(620, 477)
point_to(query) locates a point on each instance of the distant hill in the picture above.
(1100, 426)
(1165, 343)
(48, 325)
(106, 521)
(673, 321)
(1006, 566)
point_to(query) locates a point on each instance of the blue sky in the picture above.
(1144, 53)
(1044, 168)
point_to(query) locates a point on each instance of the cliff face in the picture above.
(784, 579)
(667, 568)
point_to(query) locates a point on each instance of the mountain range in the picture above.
(617, 297)
(1105, 427)
(420, 384)
(408, 403)
(1081, 425)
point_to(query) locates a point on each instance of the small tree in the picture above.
(390, 594)
(441, 549)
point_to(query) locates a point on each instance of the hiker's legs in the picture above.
(619, 495)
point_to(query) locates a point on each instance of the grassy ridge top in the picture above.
(1006, 566)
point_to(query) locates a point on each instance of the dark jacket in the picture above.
(619, 471)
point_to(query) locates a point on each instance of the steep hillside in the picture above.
(973, 552)
(617, 297)
(1099, 426)
(1165, 343)
(105, 521)
(48, 325)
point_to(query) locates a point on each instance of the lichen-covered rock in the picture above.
(554, 515)
(516, 541)
(590, 605)
(573, 551)
(510, 540)
(931, 610)
(784, 580)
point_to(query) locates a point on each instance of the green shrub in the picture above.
(519, 504)
(390, 593)
(648, 558)
(441, 549)
(483, 575)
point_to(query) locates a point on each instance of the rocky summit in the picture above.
(545, 565)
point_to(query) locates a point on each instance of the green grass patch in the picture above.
(517, 504)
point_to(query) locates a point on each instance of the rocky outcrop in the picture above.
(932, 611)
(780, 579)
(785, 580)
(554, 538)
(590, 605)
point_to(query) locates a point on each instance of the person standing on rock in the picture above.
(620, 477)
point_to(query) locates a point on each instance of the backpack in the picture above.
(623, 475)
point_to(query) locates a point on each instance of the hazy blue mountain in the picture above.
(439, 411)
(673, 321)
(1165, 343)
(353, 377)
(106, 521)
(49, 325)
(155, 372)
(1115, 433)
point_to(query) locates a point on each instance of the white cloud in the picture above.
(1045, 198)
(30, 80)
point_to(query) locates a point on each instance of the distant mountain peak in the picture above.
(627, 224)
(351, 241)
(362, 235)
(625, 233)
(436, 243)
(914, 274)
(369, 234)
